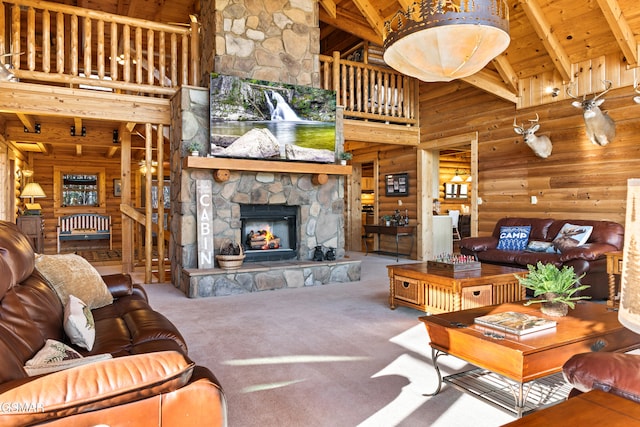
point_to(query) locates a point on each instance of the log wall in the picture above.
(579, 180)
(44, 166)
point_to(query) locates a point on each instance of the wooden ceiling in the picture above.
(545, 35)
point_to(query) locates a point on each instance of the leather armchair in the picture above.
(150, 380)
(617, 373)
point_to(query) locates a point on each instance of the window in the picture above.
(79, 190)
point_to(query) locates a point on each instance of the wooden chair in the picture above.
(455, 218)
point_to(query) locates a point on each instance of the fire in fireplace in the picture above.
(269, 232)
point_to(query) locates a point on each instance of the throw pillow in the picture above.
(514, 238)
(70, 274)
(55, 356)
(571, 235)
(78, 323)
(539, 246)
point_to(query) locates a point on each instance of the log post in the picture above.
(221, 175)
(320, 178)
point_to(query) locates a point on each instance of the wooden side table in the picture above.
(33, 227)
(614, 267)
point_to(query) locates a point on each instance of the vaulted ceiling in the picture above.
(546, 35)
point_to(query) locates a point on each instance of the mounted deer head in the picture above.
(6, 75)
(541, 145)
(601, 129)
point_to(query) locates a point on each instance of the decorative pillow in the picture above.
(70, 274)
(514, 238)
(55, 356)
(571, 236)
(539, 246)
(78, 323)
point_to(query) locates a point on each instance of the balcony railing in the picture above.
(66, 45)
(370, 92)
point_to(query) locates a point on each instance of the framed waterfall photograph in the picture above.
(397, 184)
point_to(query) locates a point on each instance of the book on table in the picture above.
(515, 323)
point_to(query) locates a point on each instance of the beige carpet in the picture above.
(331, 355)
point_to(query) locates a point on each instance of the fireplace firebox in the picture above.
(269, 232)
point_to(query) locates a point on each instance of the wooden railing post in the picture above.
(195, 51)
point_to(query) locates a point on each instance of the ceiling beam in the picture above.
(330, 7)
(621, 30)
(506, 71)
(28, 121)
(544, 31)
(353, 24)
(111, 151)
(371, 15)
(491, 82)
(44, 100)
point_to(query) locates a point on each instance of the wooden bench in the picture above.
(86, 226)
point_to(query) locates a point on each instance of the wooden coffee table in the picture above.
(413, 285)
(516, 373)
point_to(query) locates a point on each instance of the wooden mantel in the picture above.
(265, 166)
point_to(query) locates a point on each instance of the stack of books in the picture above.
(515, 323)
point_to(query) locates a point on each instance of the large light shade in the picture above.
(445, 40)
(629, 310)
(32, 190)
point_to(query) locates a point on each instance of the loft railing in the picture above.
(370, 92)
(64, 45)
(59, 44)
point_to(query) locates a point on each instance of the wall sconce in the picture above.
(553, 91)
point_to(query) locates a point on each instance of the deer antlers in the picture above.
(607, 84)
(536, 120)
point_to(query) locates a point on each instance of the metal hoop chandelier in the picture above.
(443, 40)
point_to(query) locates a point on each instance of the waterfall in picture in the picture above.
(281, 110)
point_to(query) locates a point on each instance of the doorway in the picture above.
(430, 188)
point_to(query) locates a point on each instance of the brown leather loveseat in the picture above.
(148, 379)
(588, 258)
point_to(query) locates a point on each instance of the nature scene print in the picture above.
(261, 118)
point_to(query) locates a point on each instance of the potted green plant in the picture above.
(193, 148)
(556, 287)
(344, 156)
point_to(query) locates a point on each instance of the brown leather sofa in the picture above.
(149, 381)
(589, 258)
(616, 373)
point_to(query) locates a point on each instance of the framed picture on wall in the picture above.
(117, 189)
(397, 184)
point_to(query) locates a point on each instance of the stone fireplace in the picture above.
(276, 41)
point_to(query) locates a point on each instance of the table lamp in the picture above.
(32, 190)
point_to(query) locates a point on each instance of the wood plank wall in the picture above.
(579, 180)
(44, 166)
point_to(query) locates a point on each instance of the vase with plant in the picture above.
(554, 288)
(344, 156)
(193, 148)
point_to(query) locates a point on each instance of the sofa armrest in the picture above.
(479, 244)
(119, 284)
(588, 252)
(616, 373)
(95, 386)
